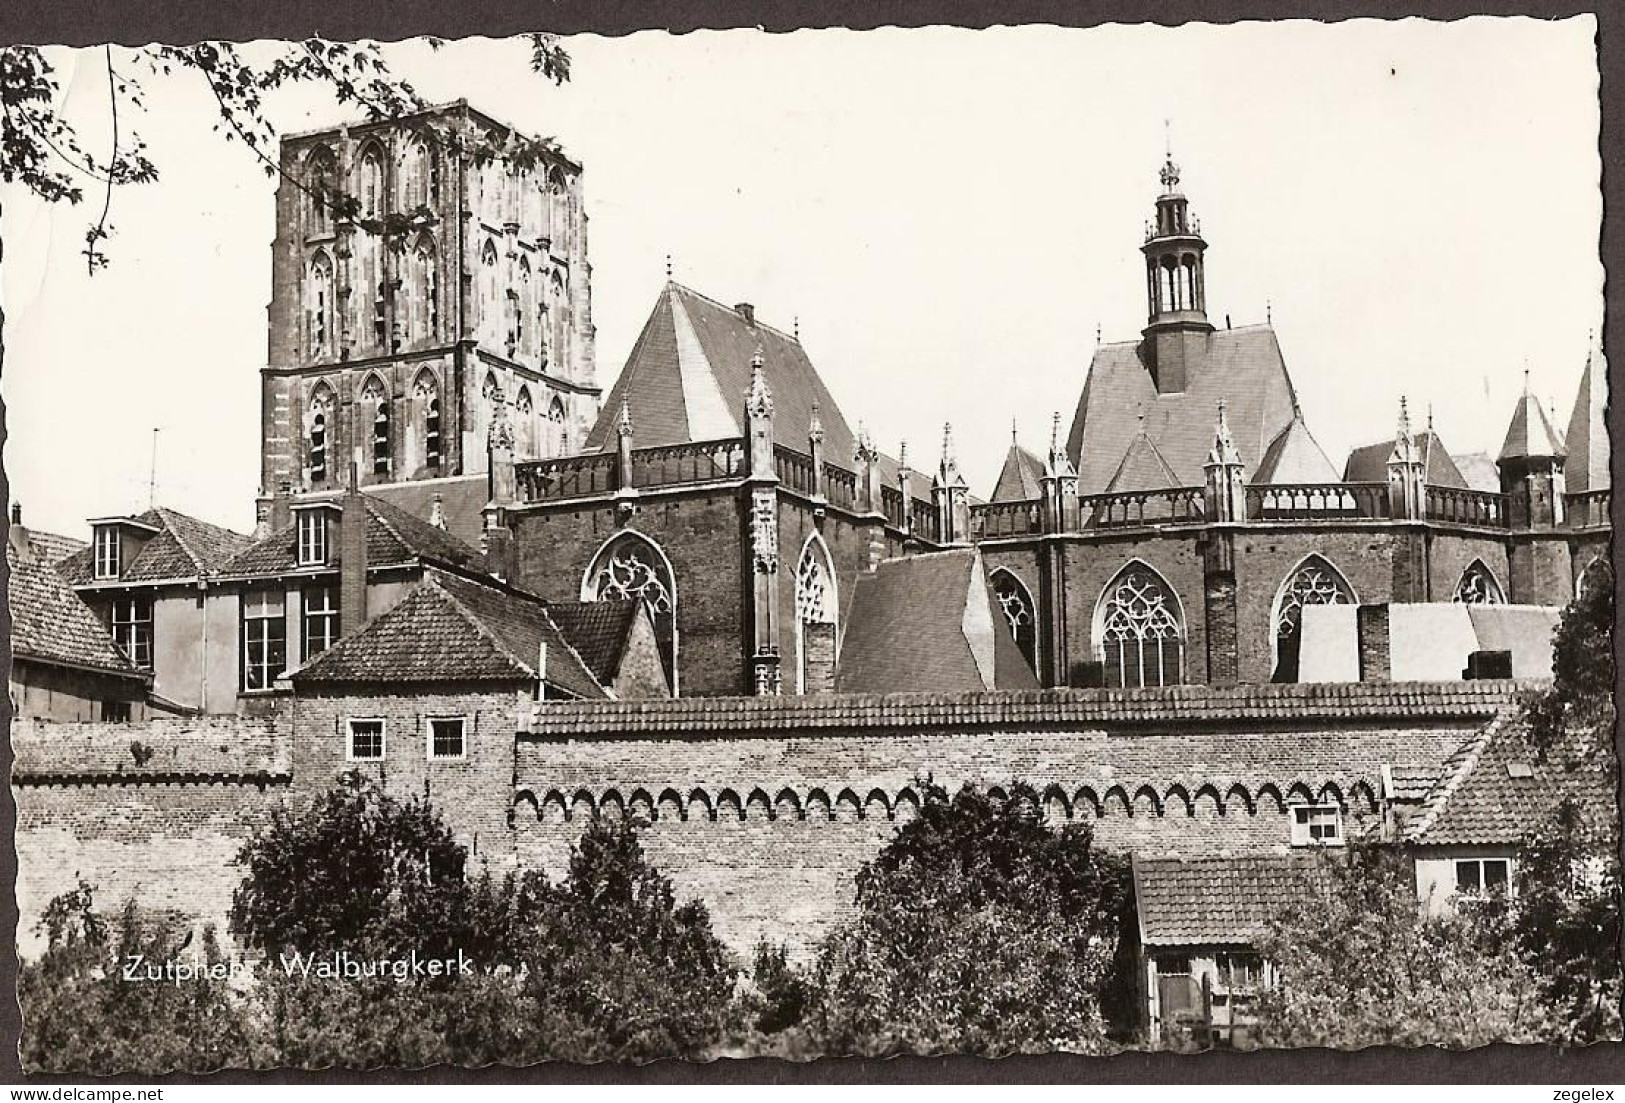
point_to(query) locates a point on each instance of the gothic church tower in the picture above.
(417, 286)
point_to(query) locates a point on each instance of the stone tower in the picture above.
(426, 272)
(1176, 294)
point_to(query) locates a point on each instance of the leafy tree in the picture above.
(978, 929)
(1576, 713)
(81, 1014)
(1360, 963)
(46, 153)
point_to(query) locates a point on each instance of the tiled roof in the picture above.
(1218, 901)
(1294, 456)
(1173, 709)
(688, 373)
(1242, 366)
(50, 624)
(598, 630)
(394, 536)
(462, 502)
(453, 629)
(1369, 463)
(184, 547)
(51, 548)
(1530, 433)
(1586, 467)
(928, 622)
(204, 747)
(1021, 478)
(1479, 471)
(1496, 787)
(1143, 468)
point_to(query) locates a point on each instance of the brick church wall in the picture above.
(1092, 566)
(1449, 554)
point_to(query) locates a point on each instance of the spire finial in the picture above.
(795, 328)
(1170, 171)
(668, 267)
(815, 427)
(1526, 378)
(759, 399)
(1055, 431)
(1097, 333)
(1404, 418)
(623, 422)
(1269, 312)
(902, 455)
(1012, 431)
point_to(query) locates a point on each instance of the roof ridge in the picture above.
(530, 600)
(1446, 786)
(163, 513)
(473, 618)
(719, 304)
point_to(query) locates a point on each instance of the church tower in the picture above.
(429, 280)
(1176, 294)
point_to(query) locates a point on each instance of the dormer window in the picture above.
(312, 538)
(108, 560)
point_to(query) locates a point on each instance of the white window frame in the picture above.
(349, 738)
(1480, 892)
(1303, 823)
(128, 636)
(312, 538)
(327, 614)
(428, 738)
(108, 557)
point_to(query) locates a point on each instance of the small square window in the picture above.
(1317, 825)
(366, 740)
(446, 738)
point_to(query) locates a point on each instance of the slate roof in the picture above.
(1174, 709)
(394, 536)
(1021, 477)
(454, 629)
(1294, 456)
(1218, 901)
(1530, 432)
(928, 622)
(462, 502)
(1586, 467)
(49, 624)
(599, 631)
(1243, 366)
(184, 547)
(1479, 800)
(687, 375)
(1369, 463)
(1143, 468)
(1479, 471)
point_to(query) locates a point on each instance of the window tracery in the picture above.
(1315, 582)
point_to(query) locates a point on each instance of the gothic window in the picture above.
(1017, 606)
(815, 619)
(320, 171)
(630, 566)
(558, 206)
(524, 424)
(1478, 586)
(488, 269)
(376, 398)
(1597, 573)
(419, 174)
(1315, 582)
(319, 298)
(372, 182)
(521, 303)
(427, 394)
(321, 404)
(1140, 636)
(557, 429)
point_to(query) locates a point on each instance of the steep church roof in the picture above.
(929, 623)
(1530, 433)
(1586, 467)
(1021, 478)
(1369, 462)
(1294, 456)
(688, 373)
(1243, 366)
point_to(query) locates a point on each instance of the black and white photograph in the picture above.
(570, 549)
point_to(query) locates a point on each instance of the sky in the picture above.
(952, 215)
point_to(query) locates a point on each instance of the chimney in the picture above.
(1371, 628)
(352, 559)
(747, 312)
(18, 535)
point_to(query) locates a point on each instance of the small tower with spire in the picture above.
(1175, 286)
(1226, 476)
(1407, 471)
(1532, 465)
(951, 495)
(1060, 481)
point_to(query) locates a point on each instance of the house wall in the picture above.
(1436, 872)
(48, 692)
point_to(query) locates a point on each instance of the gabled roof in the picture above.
(49, 624)
(184, 547)
(1242, 366)
(1369, 462)
(394, 536)
(1586, 466)
(1143, 468)
(1479, 471)
(51, 548)
(599, 631)
(1496, 787)
(1021, 478)
(1294, 456)
(462, 502)
(454, 629)
(1218, 901)
(1530, 433)
(928, 623)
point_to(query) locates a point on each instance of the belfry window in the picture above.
(1140, 637)
(380, 440)
(318, 436)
